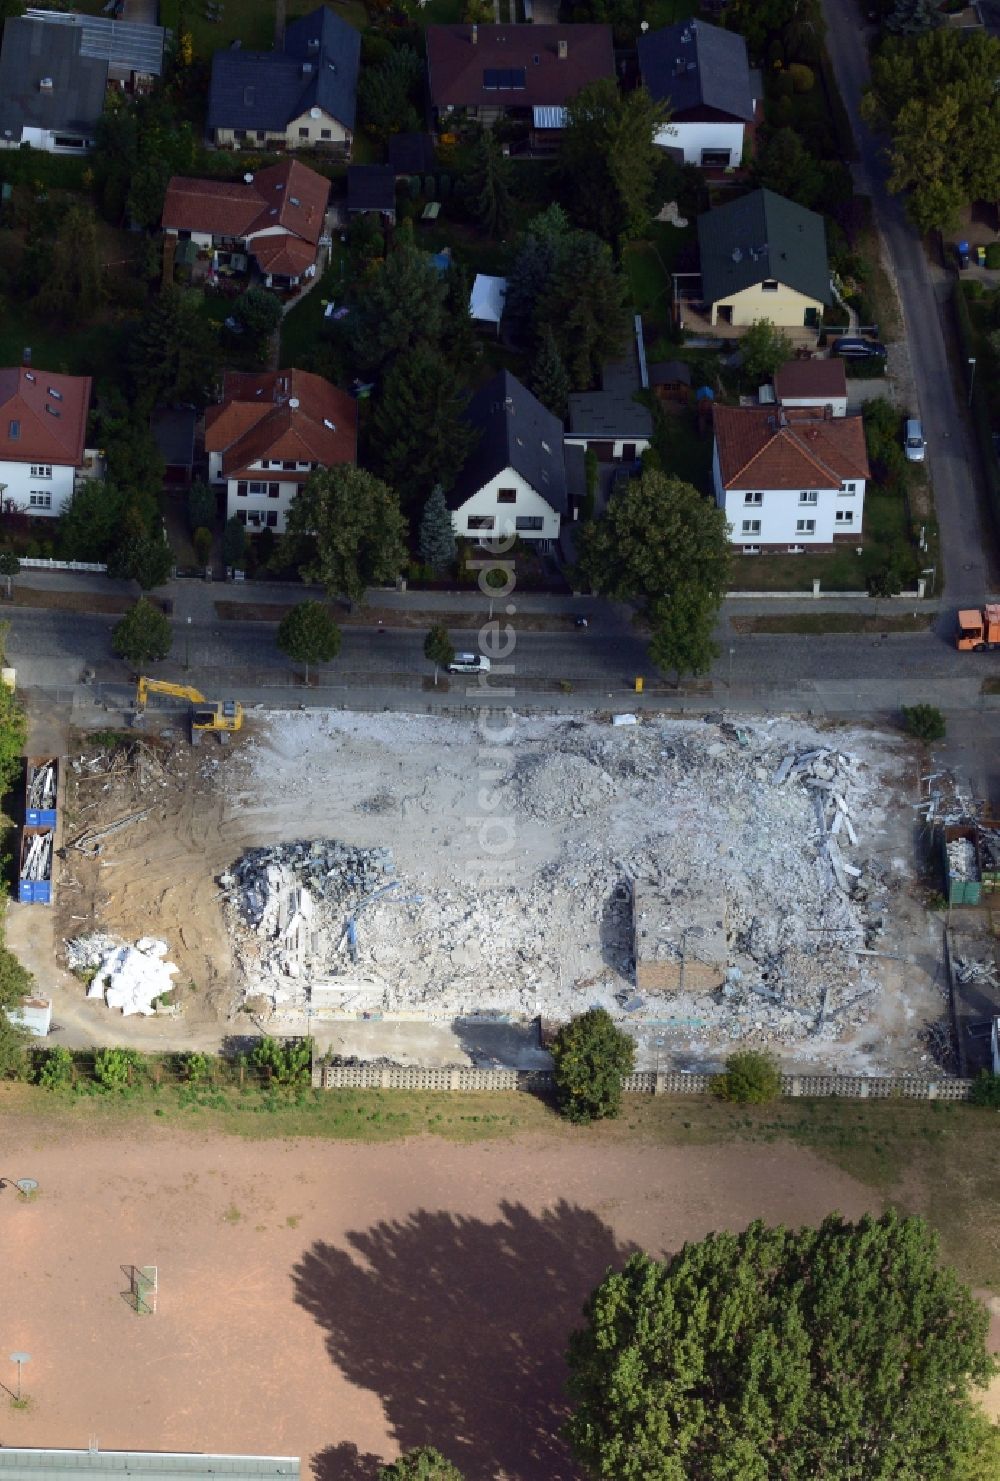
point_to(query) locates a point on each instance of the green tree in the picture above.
(438, 649)
(436, 540)
(201, 506)
(13, 738)
(115, 1069)
(532, 269)
(201, 540)
(10, 567)
(423, 1464)
(72, 288)
(286, 1062)
(348, 531)
(659, 536)
(764, 349)
(786, 166)
(144, 634)
(683, 623)
(589, 1057)
(751, 1079)
(234, 543)
(608, 158)
(258, 312)
(986, 1090)
(459, 340)
(913, 17)
(387, 90)
(91, 524)
(145, 558)
(174, 354)
(487, 185)
(53, 1068)
(936, 95)
(418, 435)
(547, 376)
(843, 1351)
(584, 307)
(399, 304)
(141, 142)
(308, 634)
(924, 722)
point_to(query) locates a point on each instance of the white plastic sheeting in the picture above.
(132, 977)
(487, 299)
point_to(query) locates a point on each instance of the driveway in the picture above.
(923, 296)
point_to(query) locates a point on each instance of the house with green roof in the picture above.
(764, 257)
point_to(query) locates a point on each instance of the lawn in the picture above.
(95, 349)
(301, 326)
(838, 570)
(685, 453)
(648, 265)
(833, 622)
(249, 21)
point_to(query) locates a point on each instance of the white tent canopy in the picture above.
(487, 299)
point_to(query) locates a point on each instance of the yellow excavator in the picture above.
(220, 716)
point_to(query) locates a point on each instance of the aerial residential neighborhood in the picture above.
(499, 717)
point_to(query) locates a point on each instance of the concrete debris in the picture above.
(129, 978)
(767, 821)
(962, 859)
(965, 970)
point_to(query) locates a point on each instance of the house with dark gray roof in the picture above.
(371, 188)
(764, 257)
(703, 73)
(302, 95)
(51, 90)
(514, 480)
(612, 422)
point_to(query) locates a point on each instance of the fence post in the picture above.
(660, 1083)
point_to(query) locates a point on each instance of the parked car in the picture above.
(913, 441)
(857, 349)
(469, 663)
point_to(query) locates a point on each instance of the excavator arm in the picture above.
(144, 687)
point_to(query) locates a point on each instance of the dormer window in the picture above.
(56, 395)
(769, 285)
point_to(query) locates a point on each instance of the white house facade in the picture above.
(791, 481)
(703, 74)
(514, 480)
(43, 429)
(506, 505)
(709, 144)
(269, 433)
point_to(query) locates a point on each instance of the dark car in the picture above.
(857, 349)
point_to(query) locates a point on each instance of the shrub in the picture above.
(53, 1068)
(986, 1090)
(803, 77)
(114, 1068)
(283, 1062)
(590, 1055)
(993, 255)
(202, 542)
(924, 722)
(751, 1079)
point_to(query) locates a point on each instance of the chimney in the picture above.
(45, 85)
(307, 69)
(475, 35)
(563, 49)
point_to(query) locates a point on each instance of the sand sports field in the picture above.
(340, 1301)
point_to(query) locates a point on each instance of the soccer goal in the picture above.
(143, 1287)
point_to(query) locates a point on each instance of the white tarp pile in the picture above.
(133, 977)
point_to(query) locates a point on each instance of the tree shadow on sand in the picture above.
(460, 1326)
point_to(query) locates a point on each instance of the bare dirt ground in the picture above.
(340, 1301)
(693, 806)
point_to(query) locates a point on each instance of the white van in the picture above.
(469, 663)
(913, 441)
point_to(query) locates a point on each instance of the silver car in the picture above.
(913, 441)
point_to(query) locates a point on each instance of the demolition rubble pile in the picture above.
(961, 859)
(767, 824)
(130, 978)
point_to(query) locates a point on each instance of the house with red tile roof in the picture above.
(530, 72)
(275, 217)
(268, 434)
(43, 439)
(789, 478)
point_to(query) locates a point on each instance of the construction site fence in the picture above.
(644, 1082)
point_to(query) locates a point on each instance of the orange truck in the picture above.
(979, 628)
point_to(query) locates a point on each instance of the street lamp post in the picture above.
(972, 376)
(187, 644)
(732, 653)
(20, 1358)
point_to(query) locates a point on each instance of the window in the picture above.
(529, 522)
(751, 527)
(13, 430)
(239, 135)
(753, 498)
(715, 159)
(846, 490)
(808, 496)
(273, 490)
(769, 285)
(805, 527)
(41, 470)
(506, 496)
(241, 515)
(845, 516)
(480, 522)
(289, 465)
(303, 133)
(38, 500)
(326, 133)
(241, 491)
(271, 519)
(256, 487)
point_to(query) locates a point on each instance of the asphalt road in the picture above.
(923, 296)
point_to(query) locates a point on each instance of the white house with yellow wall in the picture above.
(764, 257)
